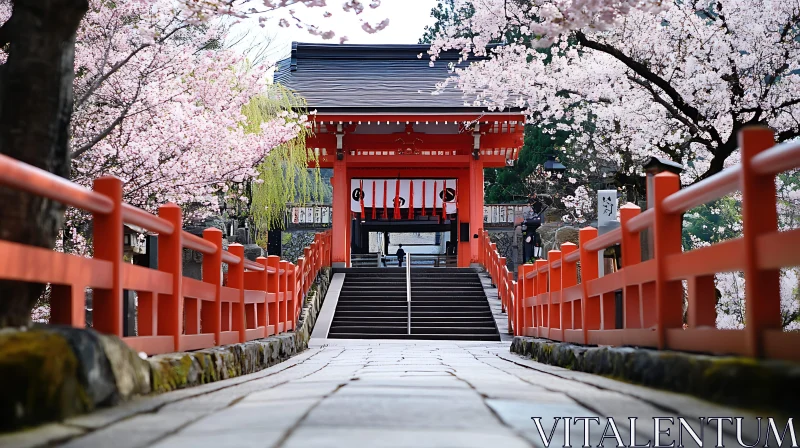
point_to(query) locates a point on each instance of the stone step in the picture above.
(431, 337)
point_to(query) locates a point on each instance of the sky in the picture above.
(407, 20)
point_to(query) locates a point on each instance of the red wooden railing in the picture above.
(549, 302)
(175, 313)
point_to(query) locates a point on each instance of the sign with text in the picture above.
(606, 207)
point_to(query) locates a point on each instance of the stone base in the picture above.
(49, 373)
(734, 381)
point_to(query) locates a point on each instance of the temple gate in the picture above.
(405, 158)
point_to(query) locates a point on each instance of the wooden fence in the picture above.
(548, 300)
(175, 313)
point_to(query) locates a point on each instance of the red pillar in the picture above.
(475, 207)
(341, 215)
(464, 214)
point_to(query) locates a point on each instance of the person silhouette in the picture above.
(401, 255)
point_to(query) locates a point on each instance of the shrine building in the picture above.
(405, 157)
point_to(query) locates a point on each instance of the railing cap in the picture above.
(666, 174)
(630, 205)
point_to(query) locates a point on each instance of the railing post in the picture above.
(291, 295)
(541, 288)
(107, 243)
(512, 297)
(759, 217)
(590, 315)
(525, 318)
(501, 284)
(666, 242)
(302, 285)
(569, 278)
(631, 247)
(273, 293)
(170, 260)
(211, 313)
(236, 281)
(309, 256)
(554, 309)
(262, 310)
(283, 296)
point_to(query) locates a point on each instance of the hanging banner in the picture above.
(370, 199)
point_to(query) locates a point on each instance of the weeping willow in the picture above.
(283, 176)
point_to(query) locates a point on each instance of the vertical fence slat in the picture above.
(666, 242)
(211, 312)
(283, 295)
(759, 217)
(236, 281)
(569, 278)
(170, 260)
(107, 244)
(631, 248)
(273, 290)
(589, 272)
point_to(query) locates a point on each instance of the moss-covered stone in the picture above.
(736, 381)
(40, 378)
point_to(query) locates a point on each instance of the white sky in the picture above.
(407, 20)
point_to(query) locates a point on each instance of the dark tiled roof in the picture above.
(370, 78)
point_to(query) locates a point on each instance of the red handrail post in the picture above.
(170, 260)
(236, 281)
(540, 309)
(666, 242)
(291, 295)
(525, 316)
(308, 267)
(569, 278)
(553, 308)
(107, 243)
(501, 284)
(513, 297)
(302, 284)
(631, 247)
(590, 315)
(759, 217)
(262, 313)
(211, 312)
(283, 295)
(273, 293)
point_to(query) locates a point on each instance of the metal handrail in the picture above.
(408, 289)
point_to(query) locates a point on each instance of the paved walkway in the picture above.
(382, 394)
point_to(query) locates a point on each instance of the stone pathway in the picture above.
(344, 393)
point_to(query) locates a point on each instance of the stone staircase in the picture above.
(446, 304)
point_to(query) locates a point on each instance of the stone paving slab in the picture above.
(395, 394)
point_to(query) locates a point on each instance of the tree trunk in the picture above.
(36, 102)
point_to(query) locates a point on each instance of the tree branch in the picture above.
(99, 137)
(640, 69)
(96, 84)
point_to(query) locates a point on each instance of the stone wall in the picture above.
(294, 242)
(736, 381)
(50, 373)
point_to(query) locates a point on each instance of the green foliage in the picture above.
(508, 185)
(710, 223)
(284, 176)
(445, 14)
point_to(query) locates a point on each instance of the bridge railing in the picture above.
(175, 313)
(553, 304)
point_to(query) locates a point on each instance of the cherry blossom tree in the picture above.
(155, 102)
(677, 81)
